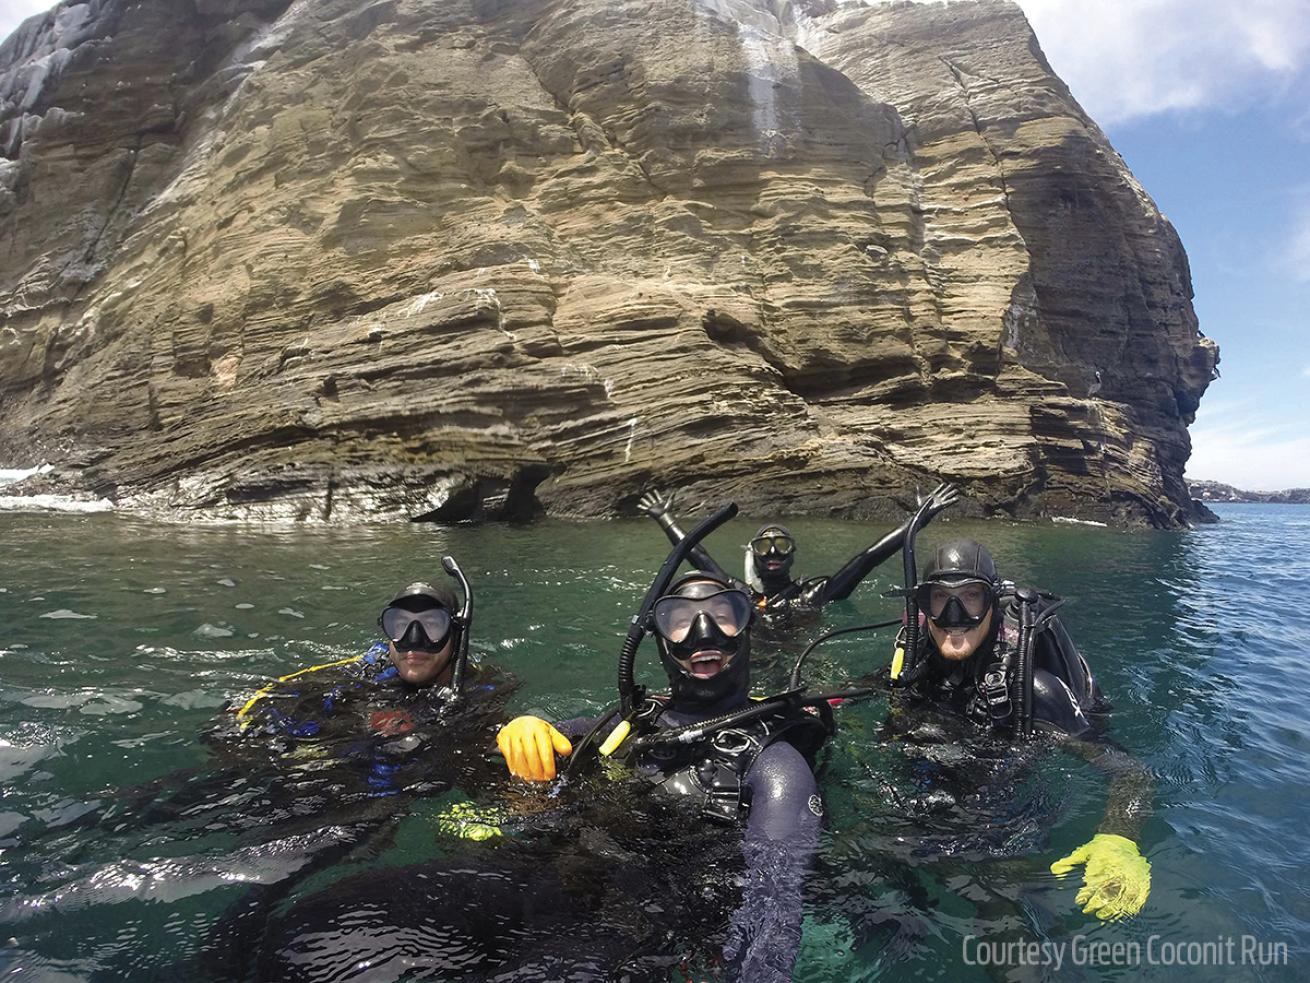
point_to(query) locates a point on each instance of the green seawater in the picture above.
(122, 640)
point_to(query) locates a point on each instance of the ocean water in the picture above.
(132, 845)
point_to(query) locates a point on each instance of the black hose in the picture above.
(637, 628)
(587, 741)
(795, 681)
(1022, 700)
(910, 672)
(691, 732)
(466, 625)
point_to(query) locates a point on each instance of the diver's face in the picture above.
(774, 551)
(702, 626)
(957, 644)
(419, 668)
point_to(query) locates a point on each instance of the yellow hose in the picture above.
(266, 690)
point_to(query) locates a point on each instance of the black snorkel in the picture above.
(465, 618)
(911, 668)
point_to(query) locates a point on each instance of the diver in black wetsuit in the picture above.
(416, 677)
(999, 656)
(753, 772)
(772, 551)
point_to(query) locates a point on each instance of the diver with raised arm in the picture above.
(772, 552)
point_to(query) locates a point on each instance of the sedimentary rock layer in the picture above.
(473, 258)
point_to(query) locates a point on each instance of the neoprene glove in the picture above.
(529, 745)
(655, 503)
(1117, 879)
(943, 497)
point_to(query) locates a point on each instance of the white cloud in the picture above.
(14, 12)
(1232, 445)
(1131, 58)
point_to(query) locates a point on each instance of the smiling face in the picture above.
(957, 644)
(419, 668)
(774, 552)
(703, 626)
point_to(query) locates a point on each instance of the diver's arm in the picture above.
(1116, 877)
(659, 507)
(782, 835)
(839, 586)
(1132, 786)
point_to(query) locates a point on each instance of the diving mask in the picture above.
(425, 630)
(728, 611)
(958, 604)
(779, 545)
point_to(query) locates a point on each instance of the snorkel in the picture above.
(906, 667)
(465, 620)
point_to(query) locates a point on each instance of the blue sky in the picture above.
(1209, 103)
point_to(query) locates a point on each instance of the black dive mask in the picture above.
(962, 604)
(719, 622)
(773, 547)
(417, 631)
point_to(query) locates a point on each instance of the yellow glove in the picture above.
(1117, 879)
(529, 745)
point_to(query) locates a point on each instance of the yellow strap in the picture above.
(266, 690)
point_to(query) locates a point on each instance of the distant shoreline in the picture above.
(1215, 492)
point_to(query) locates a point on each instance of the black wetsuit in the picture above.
(782, 597)
(1066, 702)
(758, 775)
(1064, 689)
(359, 714)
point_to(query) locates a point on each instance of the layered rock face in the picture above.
(485, 258)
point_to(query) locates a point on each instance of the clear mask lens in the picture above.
(729, 610)
(433, 622)
(780, 545)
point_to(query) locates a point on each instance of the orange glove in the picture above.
(529, 745)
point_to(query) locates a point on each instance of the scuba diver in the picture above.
(772, 552)
(420, 674)
(997, 655)
(708, 747)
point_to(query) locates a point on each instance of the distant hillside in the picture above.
(1215, 491)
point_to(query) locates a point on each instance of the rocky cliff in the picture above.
(338, 258)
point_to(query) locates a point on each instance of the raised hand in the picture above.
(655, 503)
(943, 497)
